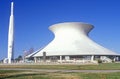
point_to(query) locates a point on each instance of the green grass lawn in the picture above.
(105, 66)
(14, 74)
(27, 74)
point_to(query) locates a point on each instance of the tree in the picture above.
(31, 50)
(19, 58)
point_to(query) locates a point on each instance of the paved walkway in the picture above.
(50, 70)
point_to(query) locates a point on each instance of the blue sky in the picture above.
(33, 17)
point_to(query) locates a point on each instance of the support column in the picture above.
(114, 58)
(101, 57)
(44, 56)
(60, 59)
(35, 59)
(92, 58)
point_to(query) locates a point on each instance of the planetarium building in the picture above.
(71, 43)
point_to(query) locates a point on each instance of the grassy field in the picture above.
(107, 66)
(28, 74)
(13, 74)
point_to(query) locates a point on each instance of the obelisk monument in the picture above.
(11, 36)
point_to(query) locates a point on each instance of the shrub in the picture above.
(99, 61)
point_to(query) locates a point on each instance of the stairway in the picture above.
(106, 59)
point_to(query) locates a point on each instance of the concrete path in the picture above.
(50, 70)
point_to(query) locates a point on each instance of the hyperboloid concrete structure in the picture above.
(72, 44)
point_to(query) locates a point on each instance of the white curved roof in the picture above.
(71, 38)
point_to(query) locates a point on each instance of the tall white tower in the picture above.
(11, 36)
